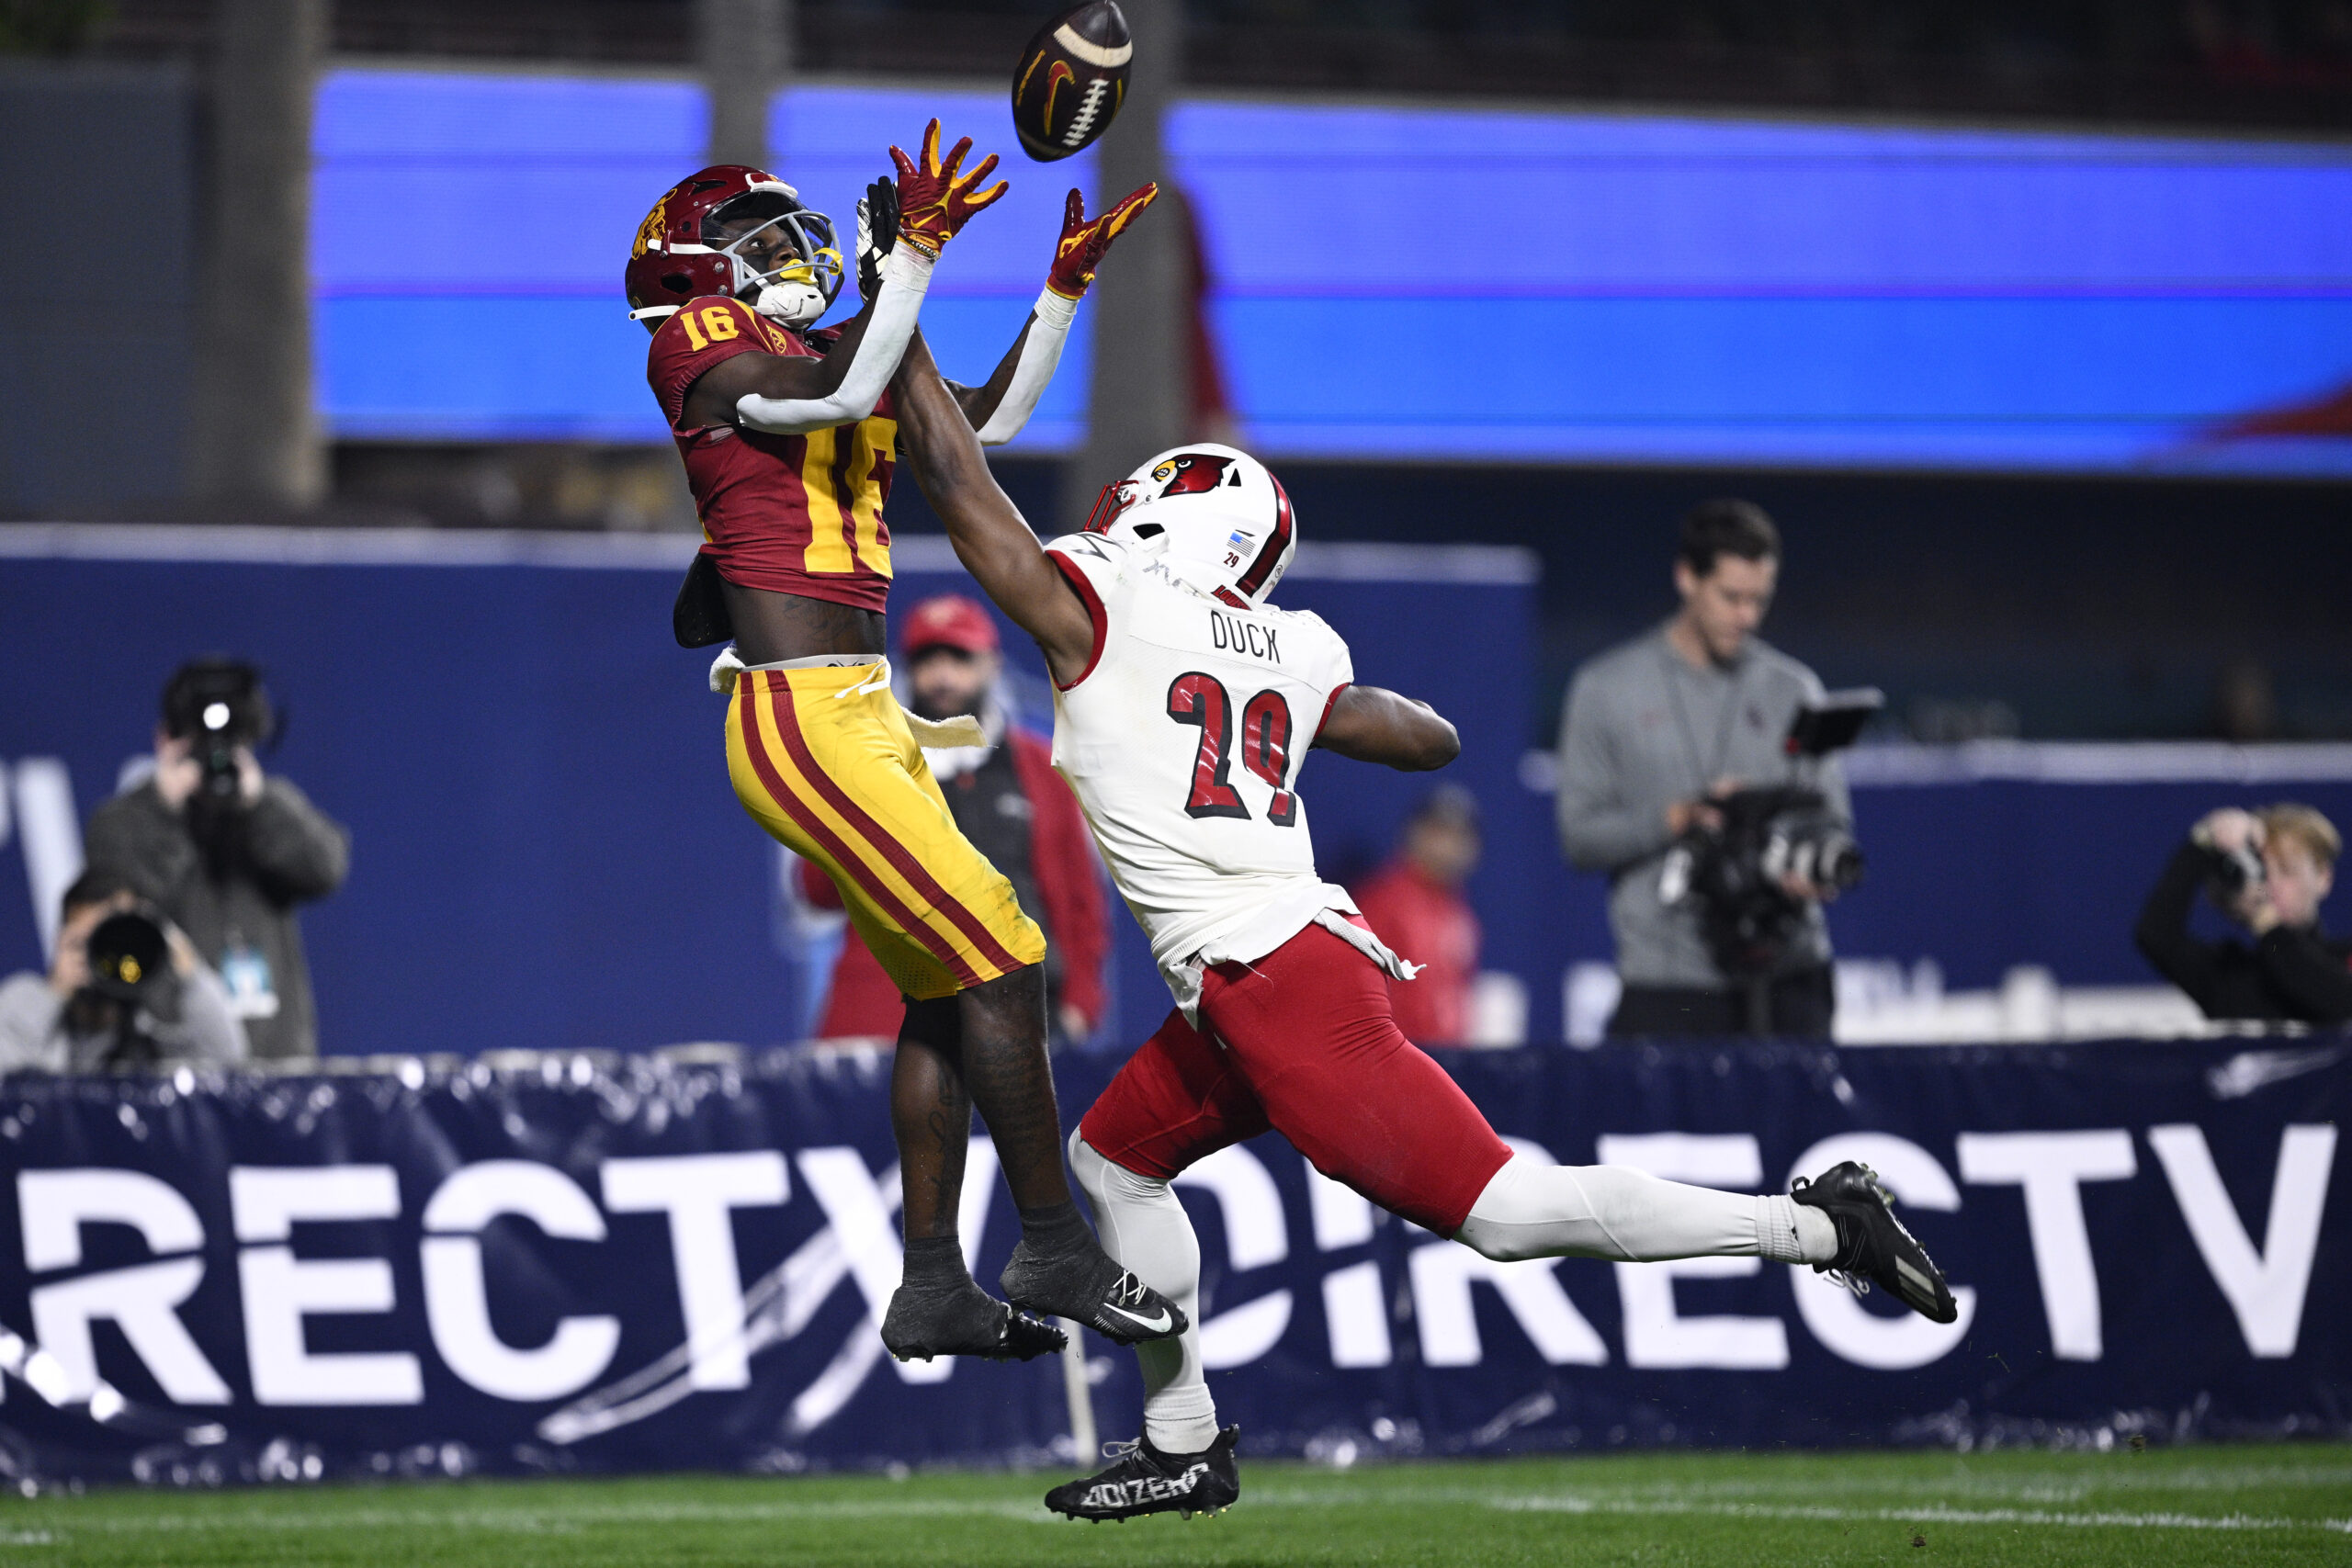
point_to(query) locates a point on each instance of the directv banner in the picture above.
(635, 1263)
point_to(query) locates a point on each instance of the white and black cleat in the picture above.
(1141, 1480)
(1873, 1245)
(1086, 1286)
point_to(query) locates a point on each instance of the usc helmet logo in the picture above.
(648, 233)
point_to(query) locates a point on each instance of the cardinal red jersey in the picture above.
(790, 513)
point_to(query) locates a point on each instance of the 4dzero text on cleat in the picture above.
(1143, 1480)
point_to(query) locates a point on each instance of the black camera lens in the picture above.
(129, 959)
(2236, 870)
(219, 762)
(1838, 862)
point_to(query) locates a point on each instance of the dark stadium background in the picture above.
(2029, 321)
(2053, 605)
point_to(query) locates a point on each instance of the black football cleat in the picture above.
(1141, 1480)
(963, 1321)
(1086, 1286)
(1873, 1245)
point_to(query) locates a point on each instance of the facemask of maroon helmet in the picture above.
(739, 232)
(1214, 515)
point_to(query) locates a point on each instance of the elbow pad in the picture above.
(1041, 352)
(905, 278)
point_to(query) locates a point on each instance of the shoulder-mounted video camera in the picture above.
(1735, 868)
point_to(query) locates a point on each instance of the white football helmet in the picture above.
(1217, 515)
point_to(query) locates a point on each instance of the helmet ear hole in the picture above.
(1148, 530)
(676, 282)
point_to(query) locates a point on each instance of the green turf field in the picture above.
(2171, 1507)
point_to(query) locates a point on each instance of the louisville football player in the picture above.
(1184, 706)
(789, 437)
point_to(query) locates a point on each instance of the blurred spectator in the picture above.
(2268, 871)
(150, 997)
(227, 852)
(1657, 729)
(1414, 903)
(1008, 800)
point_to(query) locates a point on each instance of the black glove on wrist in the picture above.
(878, 231)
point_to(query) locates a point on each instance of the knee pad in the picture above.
(1493, 1226)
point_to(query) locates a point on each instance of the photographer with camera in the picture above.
(126, 991)
(228, 852)
(1680, 778)
(2268, 871)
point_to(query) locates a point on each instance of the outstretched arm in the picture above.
(1376, 725)
(999, 409)
(774, 393)
(981, 404)
(991, 537)
(877, 235)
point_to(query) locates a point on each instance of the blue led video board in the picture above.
(1402, 284)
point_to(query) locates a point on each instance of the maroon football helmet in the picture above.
(735, 230)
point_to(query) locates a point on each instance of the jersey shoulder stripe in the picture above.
(1096, 616)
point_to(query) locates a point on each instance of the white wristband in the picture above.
(1055, 309)
(909, 265)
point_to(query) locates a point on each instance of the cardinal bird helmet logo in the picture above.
(1190, 473)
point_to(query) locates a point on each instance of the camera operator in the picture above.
(1660, 737)
(126, 991)
(2268, 871)
(228, 852)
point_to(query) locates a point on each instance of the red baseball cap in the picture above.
(951, 620)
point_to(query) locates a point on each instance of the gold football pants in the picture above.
(822, 759)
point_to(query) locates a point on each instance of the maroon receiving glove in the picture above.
(1084, 241)
(935, 201)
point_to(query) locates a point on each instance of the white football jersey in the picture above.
(1183, 740)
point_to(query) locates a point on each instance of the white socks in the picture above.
(1787, 1232)
(1530, 1210)
(1144, 1226)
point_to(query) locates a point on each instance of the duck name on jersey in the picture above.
(1229, 632)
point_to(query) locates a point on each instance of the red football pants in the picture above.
(1301, 1042)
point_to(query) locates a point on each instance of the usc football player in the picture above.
(788, 437)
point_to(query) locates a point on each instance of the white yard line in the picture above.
(1932, 1513)
(1665, 1500)
(567, 1519)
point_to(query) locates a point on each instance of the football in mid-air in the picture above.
(1072, 80)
